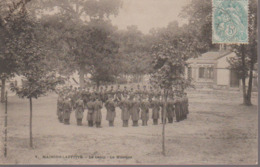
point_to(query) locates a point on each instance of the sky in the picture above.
(147, 14)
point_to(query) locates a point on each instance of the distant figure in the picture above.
(90, 115)
(67, 111)
(60, 102)
(97, 112)
(155, 105)
(134, 110)
(111, 111)
(144, 105)
(125, 112)
(79, 111)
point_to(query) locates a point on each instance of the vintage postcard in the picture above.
(128, 82)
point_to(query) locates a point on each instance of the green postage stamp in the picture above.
(230, 21)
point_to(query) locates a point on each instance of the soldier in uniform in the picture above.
(79, 111)
(67, 106)
(170, 110)
(70, 94)
(86, 96)
(111, 91)
(74, 96)
(111, 110)
(125, 92)
(125, 113)
(90, 115)
(101, 95)
(118, 94)
(155, 105)
(131, 94)
(97, 112)
(134, 110)
(144, 105)
(60, 107)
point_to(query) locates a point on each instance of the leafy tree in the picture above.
(75, 16)
(101, 51)
(134, 52)
(246, 55)
(170, 54)
(9, 10)
(55, 35)
(199, 15)
(38, 79)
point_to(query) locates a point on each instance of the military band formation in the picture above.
(134, 105)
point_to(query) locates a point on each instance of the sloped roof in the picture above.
(210, 56)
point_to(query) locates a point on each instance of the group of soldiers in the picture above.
(134, 104)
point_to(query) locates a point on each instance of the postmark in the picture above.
(230, 21)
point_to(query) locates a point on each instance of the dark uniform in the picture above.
(131, 94)
(86, 96)
(97, 112)
(125, 113)
(67, 106)
(105, 94)
(111, 92)
(144, 105)
(60, 108)
(155, 105)
(79, 111)
(111, 111)
(118, 94)
(177, 108)
(90, 116)
(134, 111)
(170, 110)
(125, 92)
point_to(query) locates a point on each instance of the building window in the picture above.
(189, 72)
(206, 72)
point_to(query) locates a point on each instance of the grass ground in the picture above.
(219, 130)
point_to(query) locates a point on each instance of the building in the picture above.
(211, 70)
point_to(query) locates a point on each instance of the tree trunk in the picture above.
(243, 75)
(164, 121)
(250, 82)
(244, 89)
(31, 138)
(81, 76)
(3, 91)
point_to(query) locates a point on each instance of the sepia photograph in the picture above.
(128, 82)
